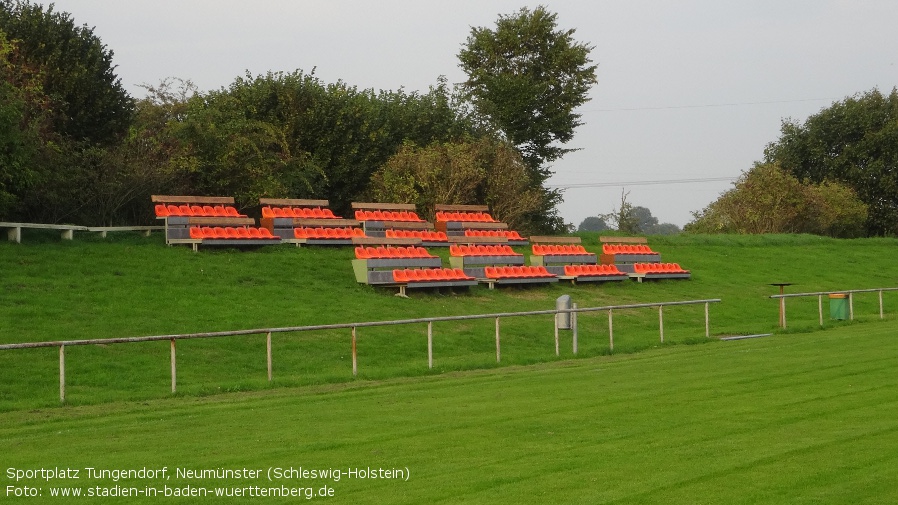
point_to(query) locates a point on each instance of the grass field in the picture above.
(128, 285)
(796, 418)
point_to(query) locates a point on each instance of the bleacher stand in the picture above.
(311, 222)
(567, 258)
(208, 220)
(633, 256)
(473, 224)
(405, 267)
(473, 259)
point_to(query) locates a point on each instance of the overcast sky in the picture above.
(690, 90)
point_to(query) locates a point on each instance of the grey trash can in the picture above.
(564, 318)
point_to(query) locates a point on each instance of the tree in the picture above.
(472, 172)
(76, 71)
(767, 199)
(854, 142)
(593, 223)
(528, 77)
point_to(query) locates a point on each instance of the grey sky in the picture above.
(690, 89)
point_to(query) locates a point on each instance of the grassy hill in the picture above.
(127, 285)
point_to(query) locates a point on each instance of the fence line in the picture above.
(62, 344)
(820, 294)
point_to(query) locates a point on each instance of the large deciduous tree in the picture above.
(528, 77)
(854, 141)
(76, 71)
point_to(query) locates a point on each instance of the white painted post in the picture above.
(62, 374)
(173, 367)
(707, 321)
(556, 335)
(430, 344)
(574, 327)
(782, 312)
(268, 352)
(497, 340)
(851, 306)
(610, 332)
(661, 322)
(355, 369)
(820, 308)
(880, 304)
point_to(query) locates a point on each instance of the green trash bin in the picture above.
(838, 306)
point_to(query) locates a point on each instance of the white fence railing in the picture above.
(62, 344)
(820, 294)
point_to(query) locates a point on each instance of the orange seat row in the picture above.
(430, 275)
(328, 233)
(386, 215)
(299, 212)
(381, 252)
(626, 249)
(549, 250)
(196, 211)
(427, 236)
(475, 217)
(482, 250)
(658, 268)
(517, 272)
(218, 232)
(509, 234)
(591, 270)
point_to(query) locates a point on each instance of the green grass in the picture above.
(127, 285)
(796, 418)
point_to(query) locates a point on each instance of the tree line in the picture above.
(75, 147)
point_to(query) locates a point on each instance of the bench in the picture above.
(652, 271)
(14, 230)
(284, 216)
(627, 250)
(489, 237)
(208, 220)
(473, 259)
(454, 219)
(517, 275)
(426, 238)
(405, 267)
(556, 252)
(377, 218)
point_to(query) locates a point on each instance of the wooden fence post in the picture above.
(880, 304)
(174, 372)
(62, 374)
(556, 334)
(610, 332)
(430, 344)
(661, 322)
(707, 321)
(820, 308)
(498, 353)
(268, 352)
(574, 327)
(355, 369)
(850, 306)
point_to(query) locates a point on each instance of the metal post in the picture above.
(557, 353)
(661, 322)
(610, 332)
(497, 340)
(820, 308)
(574, 327)
(850, 306)
(268, 352)
(174, 372)
(707, 322)
(880, 304)
(355, 369)
(430, 344)
(62, 374)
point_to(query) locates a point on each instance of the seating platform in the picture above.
(183, 213)
(593, 273)
(230, 236)
(651, 271)
(459, 220)
(624, 250)
(375, 265)
(283, 216)
(325, 236)
(427, 238)
(492, 237)
(377, 218)
(555, 253)
(517, 275)
(473, 259)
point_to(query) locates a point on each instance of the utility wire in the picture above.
(704, 106)
(639, 183)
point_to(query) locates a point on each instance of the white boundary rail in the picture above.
(820, 294)
(62, 344)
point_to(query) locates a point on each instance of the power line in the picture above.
(640, 183)
(709, 105)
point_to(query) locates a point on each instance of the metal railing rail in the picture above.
(821, 294)
(62, 344)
